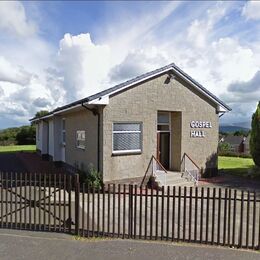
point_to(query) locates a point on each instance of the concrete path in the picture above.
(36, 245)
(9, 162)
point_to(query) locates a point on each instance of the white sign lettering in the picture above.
(199, 124)
(197, 134)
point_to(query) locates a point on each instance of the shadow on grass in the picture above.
(246, 172)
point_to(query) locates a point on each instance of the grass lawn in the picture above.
(235, 165)
(17, 148)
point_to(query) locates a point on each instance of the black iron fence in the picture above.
(204, 215)
(60, 203)
(36, 201)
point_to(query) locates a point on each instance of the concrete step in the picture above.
(173, 179)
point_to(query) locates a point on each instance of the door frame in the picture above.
(170, 139)
(158, 146)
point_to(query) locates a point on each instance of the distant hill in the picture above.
(232, 128)
(246, 124)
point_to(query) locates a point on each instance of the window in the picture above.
(81, 139)
(127, 138)
(163, 121)
(63, 132)
(38, 132)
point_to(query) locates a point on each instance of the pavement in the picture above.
(27, 162)
(38, 245)
(9, 162)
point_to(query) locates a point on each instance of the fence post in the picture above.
(130, 224)
(77, 204)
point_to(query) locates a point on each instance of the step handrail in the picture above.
(153, 157)
(194, 176)
(150, 162)
(185, 154)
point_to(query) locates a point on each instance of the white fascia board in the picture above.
(104, 100)
(66, 109)
(39, 119)
(127, 86)
(220, 108)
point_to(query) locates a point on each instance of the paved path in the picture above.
(36, 245)
(9, 162)
(27, 162)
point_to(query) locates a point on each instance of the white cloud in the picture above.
(199, 30)
(251, 10)
(244, 87)
(138, 62)
(83, 65)
(134, 32)
(13, 73)
(35, 74)
(13, 19)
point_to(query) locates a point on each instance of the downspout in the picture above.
(96, 113)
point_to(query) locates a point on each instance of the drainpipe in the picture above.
(96, 113)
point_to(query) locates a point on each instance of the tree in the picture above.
(26, 135)
(241, 133)
(41, 113)
(255, 136)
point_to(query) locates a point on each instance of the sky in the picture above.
(52, 53)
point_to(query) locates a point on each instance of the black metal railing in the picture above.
(59, 203)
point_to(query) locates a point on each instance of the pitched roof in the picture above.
(139, 79)
(233, 139)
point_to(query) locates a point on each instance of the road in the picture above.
(36, 245)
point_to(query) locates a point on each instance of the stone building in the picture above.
(164, 113)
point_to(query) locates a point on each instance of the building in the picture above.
(164, 113)
(238, 144)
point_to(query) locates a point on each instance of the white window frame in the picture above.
(166, 124)
(83, 147)
(134, 151)
(63, 131)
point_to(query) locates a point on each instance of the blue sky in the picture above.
(52, 53)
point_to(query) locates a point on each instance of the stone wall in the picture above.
(141, 104)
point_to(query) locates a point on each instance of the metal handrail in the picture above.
(193, 175)
(154, 172)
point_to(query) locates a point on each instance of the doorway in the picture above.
(163, 149)
(164, 139)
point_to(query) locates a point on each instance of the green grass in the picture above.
(17, 148)
(235, 165)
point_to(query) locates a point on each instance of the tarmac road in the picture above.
(37, 245)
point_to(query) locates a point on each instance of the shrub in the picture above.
(224, 147)
(92, 178)
(255, 136)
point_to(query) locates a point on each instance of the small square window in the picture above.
(81, 139)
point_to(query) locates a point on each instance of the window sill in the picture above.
(81, 148)
(119, 153)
